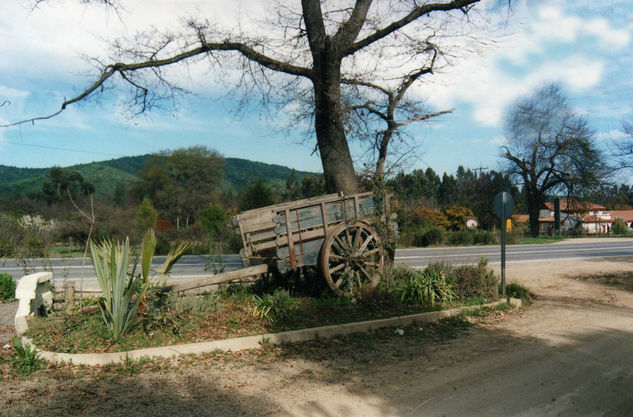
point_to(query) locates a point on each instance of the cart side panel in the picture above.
(306, 254)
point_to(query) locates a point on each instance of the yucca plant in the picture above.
(123, 290)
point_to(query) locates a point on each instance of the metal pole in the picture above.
(503, 254)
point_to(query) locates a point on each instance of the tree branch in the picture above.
(412, 16)
(349, 30)
(315, 28)
(204, 48)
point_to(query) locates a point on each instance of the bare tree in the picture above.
(318, 47)
(622, 149)
(550, 149)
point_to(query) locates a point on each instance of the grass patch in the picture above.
(541, 240)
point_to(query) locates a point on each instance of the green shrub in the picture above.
(25, 360)
(430, 236)
(517, 291)
(427, 288)
(7, 287)
(394, 275)
(619, 227)
(35, 247)
(7, 247)
(460, 238)
(273, 306)
(513, 238)
(475, 281)
(191, 304)
(484, 237)
(162, 247)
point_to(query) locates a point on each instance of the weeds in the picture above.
(7, 287)
(428, 288)
(274, 306)
(25, 360)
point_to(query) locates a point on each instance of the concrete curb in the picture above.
(32, 294)
(254, 342)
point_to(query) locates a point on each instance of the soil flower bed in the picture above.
(233, 316)
(169, 319)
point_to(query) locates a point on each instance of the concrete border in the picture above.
(254, 342)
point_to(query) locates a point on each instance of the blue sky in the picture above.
(585, 45)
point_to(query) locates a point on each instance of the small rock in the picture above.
(400, 332)
(7, 346)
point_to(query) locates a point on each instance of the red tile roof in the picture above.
(571, 204)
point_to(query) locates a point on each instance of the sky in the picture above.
(582, 44)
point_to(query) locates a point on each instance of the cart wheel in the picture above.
(352, 258)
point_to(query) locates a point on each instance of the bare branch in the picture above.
(204, 48)
(416, 13)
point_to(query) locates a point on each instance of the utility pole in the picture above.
(480, 169)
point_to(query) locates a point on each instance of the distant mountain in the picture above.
(105, 175)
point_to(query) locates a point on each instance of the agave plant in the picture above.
(123, 289)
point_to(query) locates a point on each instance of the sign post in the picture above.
(503, 204)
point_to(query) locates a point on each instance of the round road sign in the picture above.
(504, 204)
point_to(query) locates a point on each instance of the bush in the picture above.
(428, 288)
(475, 281)
(517, 291)
(191, 304)
(513, 238)
(7, 287)
(460, 238)
(7, 247)
(484, 237)
(35, 247)
(273, 306)
(162, 247)
(619, 227)
(431, 236)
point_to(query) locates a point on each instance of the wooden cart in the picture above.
(334, 232)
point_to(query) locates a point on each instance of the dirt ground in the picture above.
(569, 354)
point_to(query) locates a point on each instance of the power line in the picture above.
(60, 149)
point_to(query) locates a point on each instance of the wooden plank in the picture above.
(305, 236)
(217, 279)
(311, 247)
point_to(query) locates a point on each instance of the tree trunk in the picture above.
(338, 167)
(534, 206)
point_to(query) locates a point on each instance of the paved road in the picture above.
(584, 248)
(190, 267)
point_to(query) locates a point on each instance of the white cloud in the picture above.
(7, 93)
(614, 134)
(527, 57)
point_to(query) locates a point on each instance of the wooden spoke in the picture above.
(370, 252)
(340, 243)
(335, 256)
(357, 239)
(338, 283)
(337, 268)
(365, 243)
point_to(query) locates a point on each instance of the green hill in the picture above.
(105, 175)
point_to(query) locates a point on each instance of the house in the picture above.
(594, 218)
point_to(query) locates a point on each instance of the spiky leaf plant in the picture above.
(123, 289)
